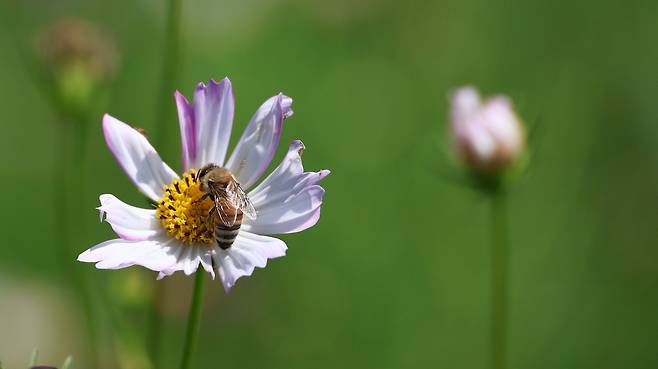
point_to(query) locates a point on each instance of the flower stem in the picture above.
(154, 322)
(193, 320)
(69, 184)
(499, 277)
(170, 71)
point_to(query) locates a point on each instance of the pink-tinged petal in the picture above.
(248, 252)
(254, 151)
(296, 214)
(129, 222)
(187, 131)
(287, 180)
(213, 116)
(158, 254)
(137, 157)
(504, 126)
(465, 101)
(482, 143)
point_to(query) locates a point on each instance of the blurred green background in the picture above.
(396, 273)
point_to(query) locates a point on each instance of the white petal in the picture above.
(254, 151)
(213, 114)
(206, 262)
(137, 158)
(165, 273)
(249, 251)
(129, 222)
(189, 259)
(287, 180)
(287, 200)
(296, 214)
(159, 254)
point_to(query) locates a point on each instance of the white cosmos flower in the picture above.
(286, 201)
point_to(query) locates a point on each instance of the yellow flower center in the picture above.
(181, 212)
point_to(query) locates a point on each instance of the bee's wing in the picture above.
(239, 199)
(227, 216)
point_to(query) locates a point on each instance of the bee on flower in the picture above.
(215, 215)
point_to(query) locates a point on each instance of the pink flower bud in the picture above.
(487, 135)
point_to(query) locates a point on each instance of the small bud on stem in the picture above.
(487, 135)
(77, 57)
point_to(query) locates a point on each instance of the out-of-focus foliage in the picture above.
(395, 275)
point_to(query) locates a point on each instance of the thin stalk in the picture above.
(499, 279)
(170, 72)
(154, 323)
(193, 321)
(69, 185)
(61, 198)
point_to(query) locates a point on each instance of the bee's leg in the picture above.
(210, 215)
(205, 196)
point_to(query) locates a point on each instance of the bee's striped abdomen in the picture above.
(225, 235)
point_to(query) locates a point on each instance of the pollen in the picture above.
(184, 212)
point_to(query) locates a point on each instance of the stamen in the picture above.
(183, 214)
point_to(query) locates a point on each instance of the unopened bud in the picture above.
(487, 135)
(77, 57)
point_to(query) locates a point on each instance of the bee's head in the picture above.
(212, 173)
(203, 172)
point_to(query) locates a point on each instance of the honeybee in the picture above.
(230, 201)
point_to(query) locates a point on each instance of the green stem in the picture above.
(499, 279)
(61, 199)
(69, 184)
(193, 320)
(154, 323)
(170, 72)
